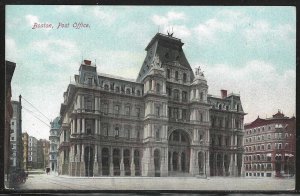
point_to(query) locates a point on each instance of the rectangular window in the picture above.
(176, 113)
(117, 109)
(157, 111)
(12, 123)
(88, 103)
(127, 110)
(138, 112)
(168, 73)
(105, 129)
(88, 126)
(12, 138)
(184, 96)
(12, 131)
(105, 107)
(184, 114)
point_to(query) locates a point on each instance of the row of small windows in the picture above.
(225, 107)
(258, 167)
(224, 122)
(258, 157)
(123, 89)
(259, 174)
(176, 76)
(268, 137)
(117, 109)
(257, 130)
(268, 147)
(127, 132)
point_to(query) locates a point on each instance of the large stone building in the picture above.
(161, 124)
(16, 137)
(25, 138)
(54, 142)
(270, 146)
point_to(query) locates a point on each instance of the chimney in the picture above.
(223, 93)
(87, 62)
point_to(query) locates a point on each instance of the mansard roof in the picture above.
(276, 119)
(168, 49)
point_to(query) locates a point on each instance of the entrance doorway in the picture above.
(179, 153)
(88, 160)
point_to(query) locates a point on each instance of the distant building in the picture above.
(46, 149)
(16, 137)
(32, 153)
(270, 146)
(25, 138)
(54, 141)
(40, 154)
(164, 123)
(9, 71)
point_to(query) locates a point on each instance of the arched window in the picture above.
(176, 75)
(138, 92)
(157, 134)
(176, 94)
(150, 84)
(201, 96)
(157, 88)
(184, 77)
(220, 106)
(106, 87)
(269, 146)
(117, 131)
(117, 89)
(168, 73)
(127, 91)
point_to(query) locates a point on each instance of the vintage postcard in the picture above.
(195, 98)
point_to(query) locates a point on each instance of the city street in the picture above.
(40, 181)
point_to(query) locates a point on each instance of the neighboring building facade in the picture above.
(43, 146)
(54, 142)
(270, 146)
(157, 125)
(9, 71)
(32, 153)
(25, 138)
(16, 137)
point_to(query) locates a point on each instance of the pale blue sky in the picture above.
(250, 50)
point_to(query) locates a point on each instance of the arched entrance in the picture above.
(88, 160)
(105, 161)
(179, 153)
(137, 163)
(127, 162)
(116, 161)
(157, 163)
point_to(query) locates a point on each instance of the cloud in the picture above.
(208, 30)
(105, 17)
(262, 87)
(56, 51)
(11, 50)
(262, 32)
(31, 19)
(168, 18)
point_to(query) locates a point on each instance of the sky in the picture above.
(245, 50)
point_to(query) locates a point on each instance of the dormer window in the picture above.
(127, 91)
(117, 89)
(138, 92)
(106, 87)
(90, 81)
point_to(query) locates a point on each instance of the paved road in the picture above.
(52, 182)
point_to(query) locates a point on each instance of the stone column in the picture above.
(83, 125)
(153, 85)
(122, 169)
(82, 164)
(197, 94)
(164, 88)
(96, 126)
(82, 104)
(132, 165)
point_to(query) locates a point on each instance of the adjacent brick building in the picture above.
(270, 146)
